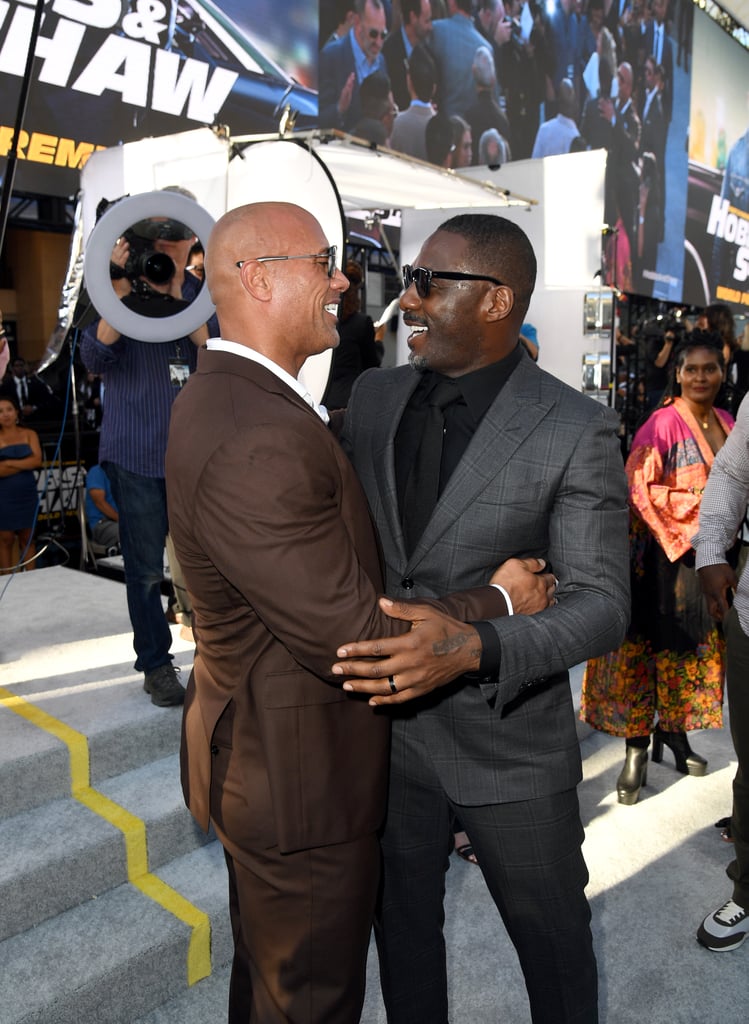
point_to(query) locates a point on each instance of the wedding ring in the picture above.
(393, 687)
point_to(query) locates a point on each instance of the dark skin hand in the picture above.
(438, 648)
(716, 582)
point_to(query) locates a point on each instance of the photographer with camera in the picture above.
(142, 379)
(660, 341)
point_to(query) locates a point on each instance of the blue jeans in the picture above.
(141, 502)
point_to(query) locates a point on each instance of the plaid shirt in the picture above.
(139, 393)
(724, 506)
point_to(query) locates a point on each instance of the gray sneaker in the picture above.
(725, 929)
(164, 686)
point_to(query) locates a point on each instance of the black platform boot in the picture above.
(634, 774)
(686, 761)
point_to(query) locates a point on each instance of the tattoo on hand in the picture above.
(450, 643)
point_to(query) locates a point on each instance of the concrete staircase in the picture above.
(112, 902)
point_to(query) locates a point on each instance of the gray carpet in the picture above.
(655, 869)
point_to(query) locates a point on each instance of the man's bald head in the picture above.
(285, 309)
(257, 229)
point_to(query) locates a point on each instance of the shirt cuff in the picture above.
(491, 653)
(709, 554)
(506, 596)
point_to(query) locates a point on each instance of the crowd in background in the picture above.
(644, 359)
(466, 82)
(543, 77)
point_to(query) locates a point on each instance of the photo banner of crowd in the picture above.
(112, 71)
(658, 84)
(717, 227)
(466, 82)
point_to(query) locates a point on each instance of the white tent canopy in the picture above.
(371, 178)
(366, 178)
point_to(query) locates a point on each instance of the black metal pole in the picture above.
(10, 167)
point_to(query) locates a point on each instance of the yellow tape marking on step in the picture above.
(133, 830)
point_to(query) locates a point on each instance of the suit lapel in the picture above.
(395, 401)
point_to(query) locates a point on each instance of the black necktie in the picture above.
(422, 488)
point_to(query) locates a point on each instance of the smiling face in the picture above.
(306, 297)
(451, 330)
(267, 273)
(370, 30)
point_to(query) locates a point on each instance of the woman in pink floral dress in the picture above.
(667, 677)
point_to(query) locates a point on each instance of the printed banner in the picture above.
(111, 71)
(717, 236)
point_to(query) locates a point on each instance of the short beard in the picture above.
(417, 362)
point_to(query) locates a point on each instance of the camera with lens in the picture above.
(674, 325)
(143, 261)
(660, 326)
(146, 266)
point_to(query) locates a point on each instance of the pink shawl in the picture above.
(667, 470)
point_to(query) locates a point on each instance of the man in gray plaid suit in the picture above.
(527, 466)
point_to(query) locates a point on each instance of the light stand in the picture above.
(12, 159)
(86, 553)
(78, 488)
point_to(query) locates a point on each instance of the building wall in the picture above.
(37, 261)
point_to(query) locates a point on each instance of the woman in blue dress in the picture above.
(20, 454)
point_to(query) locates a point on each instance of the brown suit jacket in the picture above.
(282, 563)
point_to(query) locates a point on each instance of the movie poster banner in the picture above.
(717, 234)
(111, 71)
(486, 83)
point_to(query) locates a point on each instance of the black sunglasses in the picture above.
(376, 33)
(328, 254)
(422, 278)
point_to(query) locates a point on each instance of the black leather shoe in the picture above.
(633, 775)
(685, 759)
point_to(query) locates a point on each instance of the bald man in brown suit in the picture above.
(282, 563)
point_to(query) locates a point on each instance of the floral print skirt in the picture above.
(625, 691)
(671, 666)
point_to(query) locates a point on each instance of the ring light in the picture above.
(111, 226)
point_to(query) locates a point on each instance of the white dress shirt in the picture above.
(221, 345)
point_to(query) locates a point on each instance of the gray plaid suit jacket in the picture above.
(542, 476)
